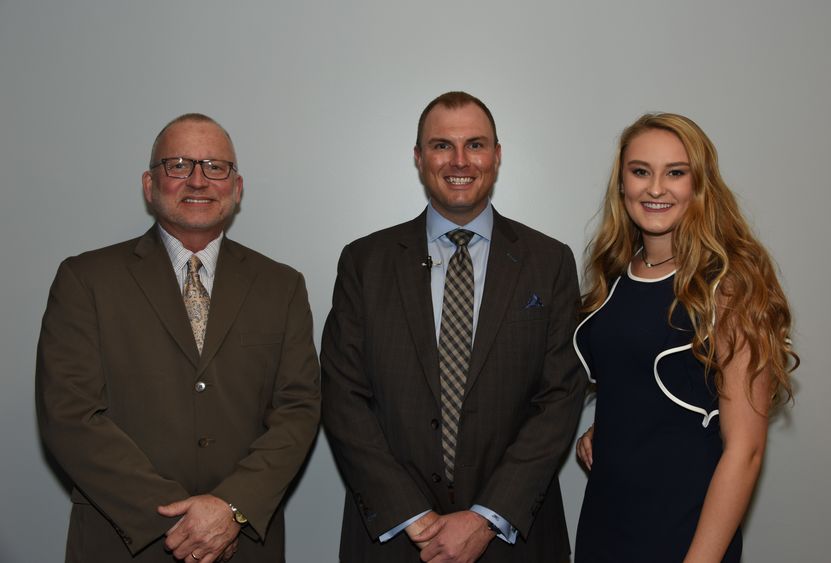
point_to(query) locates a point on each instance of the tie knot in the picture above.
(194, 264)
(460, 237)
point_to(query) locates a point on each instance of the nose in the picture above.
(656, 188)
(459, 159)
(197, 178)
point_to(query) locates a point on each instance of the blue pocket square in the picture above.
(533, 302)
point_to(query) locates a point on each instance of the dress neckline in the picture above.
(646, 280)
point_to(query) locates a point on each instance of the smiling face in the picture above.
(657, 183)
(195, 210)
(458, 161)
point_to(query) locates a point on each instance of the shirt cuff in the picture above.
(397, 530)
(507, 533)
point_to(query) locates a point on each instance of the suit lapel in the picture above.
(231, 285)
(414, 284)
(504, 265)
(154, 275)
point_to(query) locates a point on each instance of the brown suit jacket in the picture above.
(119, 405)
(381, 400)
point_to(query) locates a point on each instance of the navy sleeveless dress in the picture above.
(656, 439)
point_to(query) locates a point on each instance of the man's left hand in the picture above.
(204, 531)
(459, 537)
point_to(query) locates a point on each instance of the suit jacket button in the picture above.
(436, 478)
(434, 424)
(200, 386)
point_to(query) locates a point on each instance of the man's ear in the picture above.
(239, 183)
(147, 186)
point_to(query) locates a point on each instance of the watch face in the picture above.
(240, 518)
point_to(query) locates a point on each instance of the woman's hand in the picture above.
(584, 447)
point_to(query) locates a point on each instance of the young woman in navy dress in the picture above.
(686, 337)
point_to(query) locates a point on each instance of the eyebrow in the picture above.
(667, 165)
(480, 138)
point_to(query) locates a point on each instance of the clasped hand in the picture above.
(206, 531)
(459, 537)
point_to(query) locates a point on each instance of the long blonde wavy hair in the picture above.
(723, 272)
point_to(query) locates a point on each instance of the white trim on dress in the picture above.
(708, 416)
(574, 338)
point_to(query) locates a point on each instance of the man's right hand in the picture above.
(459, 537)
(419, 526)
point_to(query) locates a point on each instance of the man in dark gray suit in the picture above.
(451, 389)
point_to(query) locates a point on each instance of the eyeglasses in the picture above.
(181, 167)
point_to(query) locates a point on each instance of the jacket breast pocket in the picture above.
(260, 338)
(262, 351)
(522, 343)
(530, 314)
(257, 360)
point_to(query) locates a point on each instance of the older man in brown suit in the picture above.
(451, 389)
(180, 421)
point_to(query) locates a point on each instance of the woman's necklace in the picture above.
(649, 264)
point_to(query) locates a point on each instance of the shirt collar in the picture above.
(438, 224)
(179, 255)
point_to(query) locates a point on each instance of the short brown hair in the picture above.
(453, 100)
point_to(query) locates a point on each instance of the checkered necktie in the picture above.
(197, 301)
(455, 342)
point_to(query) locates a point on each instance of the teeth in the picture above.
(650, 205)
(459, 181)
(194, 200)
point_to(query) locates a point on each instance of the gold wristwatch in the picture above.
(239, 517)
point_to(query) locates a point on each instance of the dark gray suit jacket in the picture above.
(119, 407)
(381, 400)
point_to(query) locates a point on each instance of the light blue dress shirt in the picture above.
(440, 249)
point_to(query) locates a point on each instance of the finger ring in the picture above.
(194, 556)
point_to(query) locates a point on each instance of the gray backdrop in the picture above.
(322, 99)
